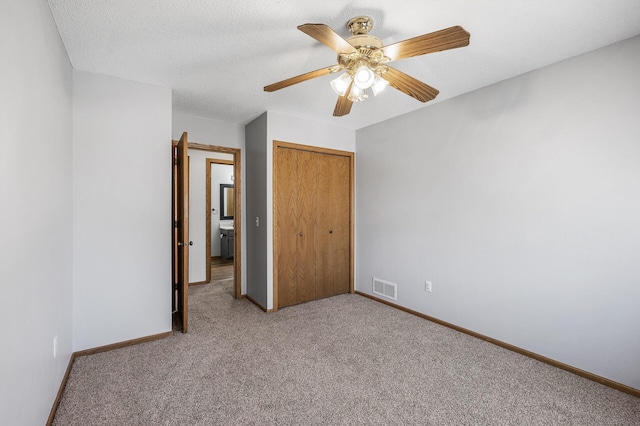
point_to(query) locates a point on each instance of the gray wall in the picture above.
(520, 201)
(256, 207)
(36, 212)
(121, 210)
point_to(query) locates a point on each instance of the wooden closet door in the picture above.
(306, 261)
(286, 217)
(333, 224)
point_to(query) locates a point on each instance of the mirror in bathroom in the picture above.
(226, 201)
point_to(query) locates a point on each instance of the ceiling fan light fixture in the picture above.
(341, 84)
(378, 85)
(363, 77)
(356, 94)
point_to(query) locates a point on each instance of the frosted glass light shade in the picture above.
(378, 85)
(363, 77)
(341, 84)
(356, 94)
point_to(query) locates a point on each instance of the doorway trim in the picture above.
(237, 218)
(211, 161)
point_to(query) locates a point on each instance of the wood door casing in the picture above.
(308, 268)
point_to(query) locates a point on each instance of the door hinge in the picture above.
(175, 223)
(175, 161)
(175, 287)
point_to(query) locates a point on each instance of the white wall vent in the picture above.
(385, 288)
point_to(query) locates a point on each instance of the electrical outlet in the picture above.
(55, 346)
(427, 286)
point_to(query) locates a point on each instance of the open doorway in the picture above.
(219, 175)
(220, 229)
(181, 222)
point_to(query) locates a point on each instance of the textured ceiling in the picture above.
(217, 55)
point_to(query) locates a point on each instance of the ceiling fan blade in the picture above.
(409, 85)
(325, 35)
(298, 79)
(449, 38)
(343, 106)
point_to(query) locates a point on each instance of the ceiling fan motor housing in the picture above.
(359, 27)
(369, 48)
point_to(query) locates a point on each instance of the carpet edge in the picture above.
(571, 369)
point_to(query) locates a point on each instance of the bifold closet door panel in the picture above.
(333, 224)
(286, 216)
(306, 269)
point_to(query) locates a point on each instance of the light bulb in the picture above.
(341, 84)
(378, 85)
(363, 77)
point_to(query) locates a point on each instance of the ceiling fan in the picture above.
(364, 60)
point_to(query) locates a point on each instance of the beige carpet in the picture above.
(339, 361)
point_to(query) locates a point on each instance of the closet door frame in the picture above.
(350, 156)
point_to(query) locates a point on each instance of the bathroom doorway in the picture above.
(231, 264)
(220, 229)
